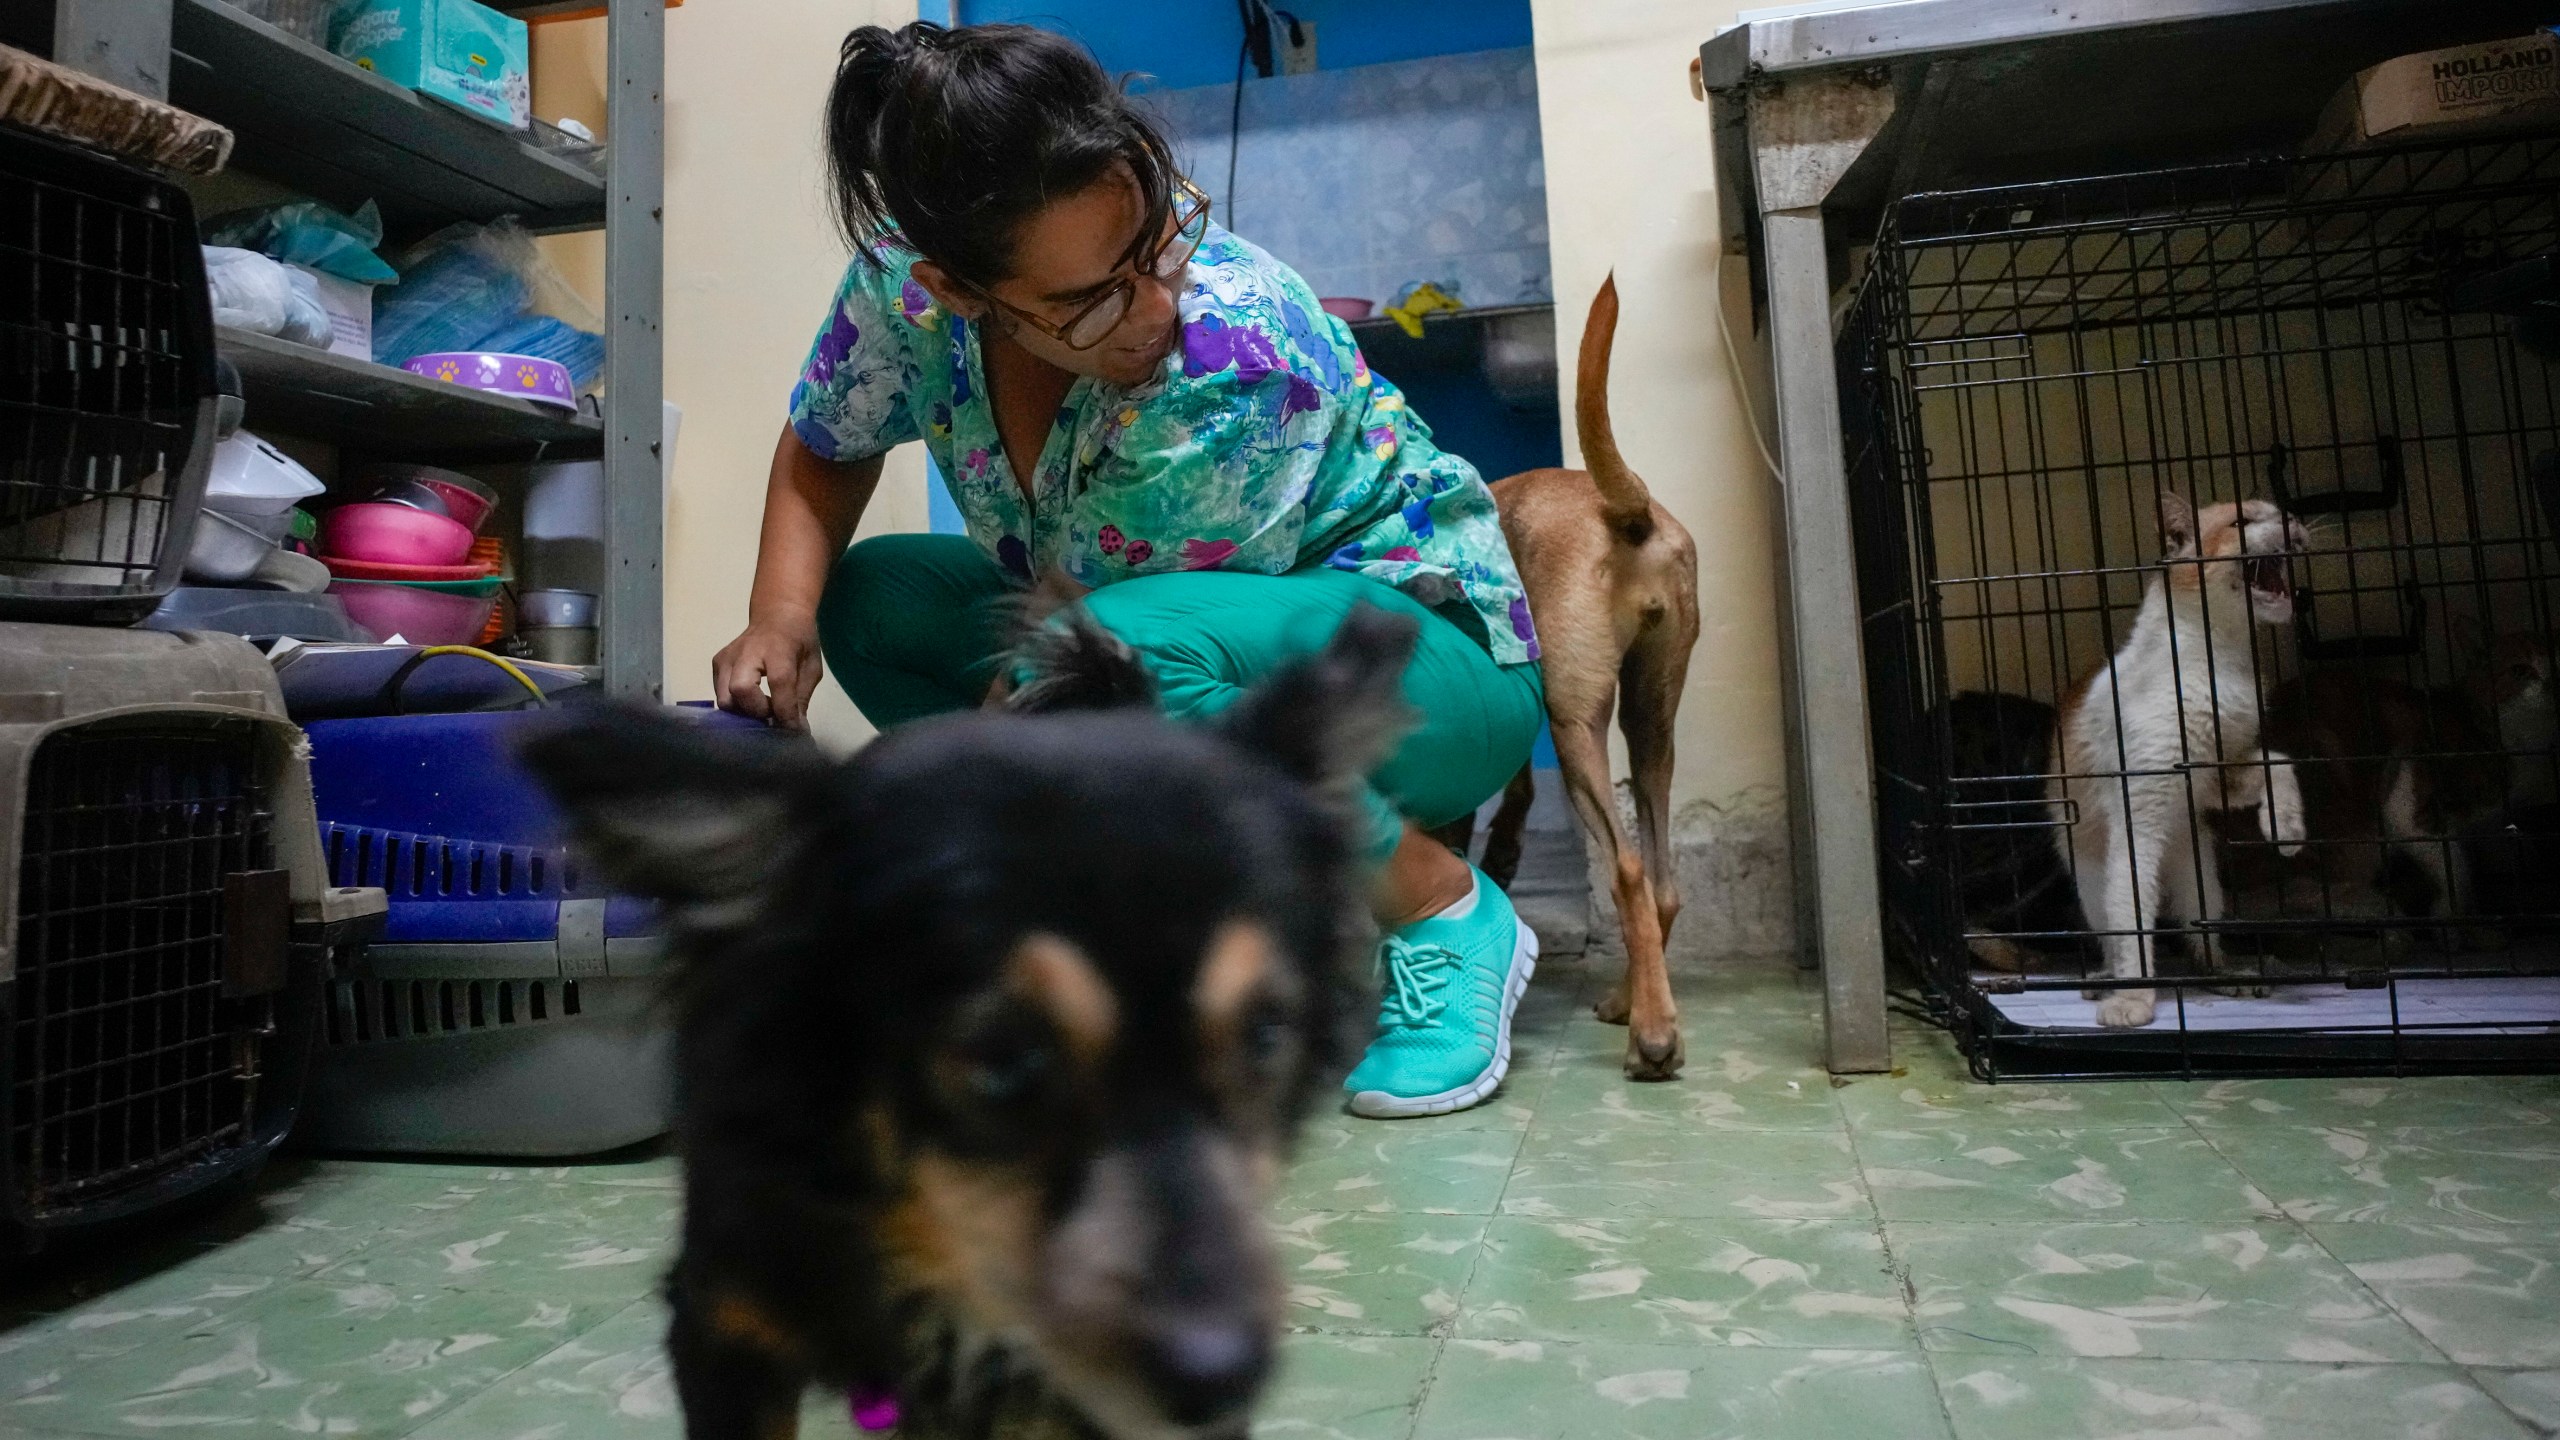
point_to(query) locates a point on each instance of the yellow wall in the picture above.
(752, 259)
(1631, 187)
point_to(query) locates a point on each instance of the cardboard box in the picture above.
(2446, 94)
(349, 307)
(457, 51)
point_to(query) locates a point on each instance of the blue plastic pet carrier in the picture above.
(510, 1005)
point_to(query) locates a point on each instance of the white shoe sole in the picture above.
(1379, 1105)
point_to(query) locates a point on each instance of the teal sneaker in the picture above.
(1444, 1020)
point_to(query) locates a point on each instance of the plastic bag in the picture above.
(254, 293)
(545, 338)
(470, 287)
(306, 232)
(461, 285)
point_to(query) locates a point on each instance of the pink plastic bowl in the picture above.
(393, 535)
(384, 608)
(467, 507)
(457, 494)
(1344, 307)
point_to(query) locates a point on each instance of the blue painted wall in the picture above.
(942, 513)
(1368, 180)
(1466, 420)
(1193, 42)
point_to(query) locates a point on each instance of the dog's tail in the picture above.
(1624, 501)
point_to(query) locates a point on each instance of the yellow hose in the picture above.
(502, 662)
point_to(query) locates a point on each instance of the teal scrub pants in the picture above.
(915, 625)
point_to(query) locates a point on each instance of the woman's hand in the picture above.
(810, 509)
(769, 672)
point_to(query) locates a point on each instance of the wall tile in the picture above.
(1371, 178)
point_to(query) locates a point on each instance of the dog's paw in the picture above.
(2280, 810)
(1612, 1008)
(2127, 1010)
(1655, 1057)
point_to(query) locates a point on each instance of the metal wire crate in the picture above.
(166, 921)
(107, 388)
(2361, 804)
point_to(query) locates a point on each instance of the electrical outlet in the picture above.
(1298, 59)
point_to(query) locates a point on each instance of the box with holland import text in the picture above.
(2446, 94)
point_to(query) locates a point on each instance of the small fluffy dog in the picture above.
(992, 1039)
(1613, 581)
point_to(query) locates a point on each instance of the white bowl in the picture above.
(282, 569)
(252, 477)
(225, 551)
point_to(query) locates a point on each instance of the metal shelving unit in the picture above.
(317, 124)
(340, 133)
(302, 391)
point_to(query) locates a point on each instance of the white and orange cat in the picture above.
(2167, 731)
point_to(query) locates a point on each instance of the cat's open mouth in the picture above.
(2267, 577)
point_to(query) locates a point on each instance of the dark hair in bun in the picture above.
(946, 140)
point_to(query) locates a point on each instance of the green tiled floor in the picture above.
(1752, 1252)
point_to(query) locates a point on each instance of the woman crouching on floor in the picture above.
(1126, 397)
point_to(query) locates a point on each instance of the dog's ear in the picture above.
(2177, 526)
(1071, 663)
(1335, 716)
(703, 821)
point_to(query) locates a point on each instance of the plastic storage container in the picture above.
(511, 1005)
(421, 613)
(257, 614)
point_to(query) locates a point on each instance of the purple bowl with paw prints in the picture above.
(526, 377)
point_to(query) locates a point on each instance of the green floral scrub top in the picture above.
(1265, 444)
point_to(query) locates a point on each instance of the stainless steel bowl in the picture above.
(556, 608)
(559, 644)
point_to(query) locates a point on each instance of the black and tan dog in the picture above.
(992, 1040)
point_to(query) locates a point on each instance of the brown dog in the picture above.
(1613, 582)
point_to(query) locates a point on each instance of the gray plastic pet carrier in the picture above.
(165, 921)
(107, 389)
(511, 1006)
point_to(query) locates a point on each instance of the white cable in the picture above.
(1742, 392)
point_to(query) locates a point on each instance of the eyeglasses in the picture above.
(1101, 315)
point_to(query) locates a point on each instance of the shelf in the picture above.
(295, 390)
(323, 125)
(1452, 340)
(543, 9)
(1474, 315)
